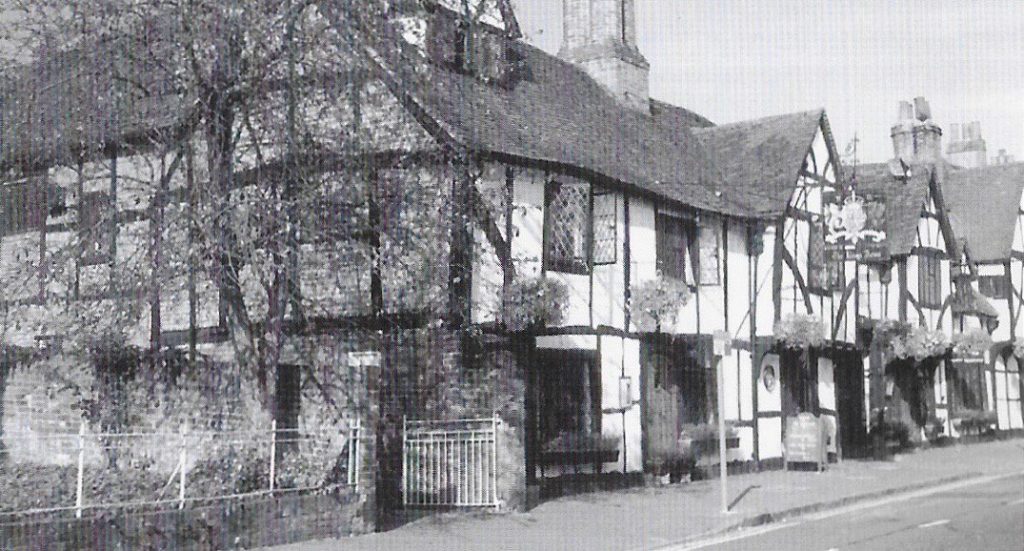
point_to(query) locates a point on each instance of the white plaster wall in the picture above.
(621, 358)
(769, 428)
(765, 305)
(738, 264)
(827, 397)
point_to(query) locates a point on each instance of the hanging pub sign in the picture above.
(856, 225)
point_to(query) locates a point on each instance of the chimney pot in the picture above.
(924, 111)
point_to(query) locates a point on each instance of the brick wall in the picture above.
(248, 523)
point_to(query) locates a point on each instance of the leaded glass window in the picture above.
(567, 227)
(605, 228)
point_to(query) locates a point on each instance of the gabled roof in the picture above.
(983, 205)
(760, 159)
(904, 201)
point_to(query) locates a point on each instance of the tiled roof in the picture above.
(73, 99)
(555, 114)
(983, 205)
(904, 200)
(760, 159)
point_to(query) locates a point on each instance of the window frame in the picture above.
(685, 272)
(999, 291)
(929, 264)
(713, 224)
(563, 265)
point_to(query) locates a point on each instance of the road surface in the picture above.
(985, 516)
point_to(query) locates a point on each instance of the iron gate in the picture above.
(449, 464)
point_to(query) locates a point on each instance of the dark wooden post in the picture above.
(877, 397)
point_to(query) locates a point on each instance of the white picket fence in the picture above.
(173, 457)
(450, 463)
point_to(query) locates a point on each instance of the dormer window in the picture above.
(475, 49)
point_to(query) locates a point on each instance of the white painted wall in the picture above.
(770, 401)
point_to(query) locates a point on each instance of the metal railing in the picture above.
(110, 470)
(450, 463)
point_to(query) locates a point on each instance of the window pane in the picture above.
(672, 238)
(605, 222)
(568, 227)
(709, 238)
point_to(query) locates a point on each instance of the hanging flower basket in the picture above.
(535, 301)
(655, 304)
(1018, 347)
(919, 343)
(972, 342)
(800, 331)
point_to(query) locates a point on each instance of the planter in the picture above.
(577, 457)
(708, 446)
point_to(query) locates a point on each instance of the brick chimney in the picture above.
(600, 37)
(915, 136)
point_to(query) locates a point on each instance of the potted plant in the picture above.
(702, 438)
(934, 428)
(671, 461)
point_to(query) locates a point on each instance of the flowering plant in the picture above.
(655, 303)
(919, 343)
(800, 331)
(1018, 347)
(972, 341)
(535, 301)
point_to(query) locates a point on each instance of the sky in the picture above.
(732, 60)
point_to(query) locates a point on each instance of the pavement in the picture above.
(678, 514)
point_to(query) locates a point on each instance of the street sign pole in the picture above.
(722, 348)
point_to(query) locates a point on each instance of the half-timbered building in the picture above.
(985, 208)
(564, 168)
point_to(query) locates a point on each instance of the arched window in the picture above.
(1007, 393)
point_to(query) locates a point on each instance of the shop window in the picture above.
(95, 228)
(993, 286)
(929, 279)
(567, 227)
